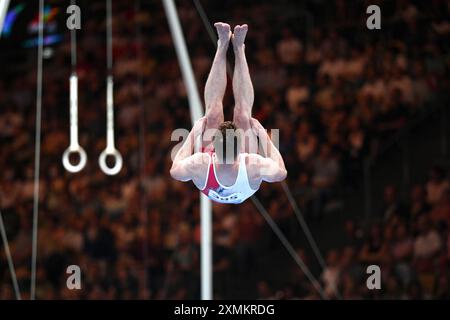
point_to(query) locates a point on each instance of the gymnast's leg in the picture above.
(243, 91)
(217, 79)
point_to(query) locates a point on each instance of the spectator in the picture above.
(440, 215)
(289, 48)
(436, 185)
(401, 251)
(426, 247)
(419, 205)
(392, 206)
(330, 275)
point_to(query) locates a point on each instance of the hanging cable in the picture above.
(289, 247)
(309, 237)
(110, 149)
(37, 149)
(12, 270)
(74, 147)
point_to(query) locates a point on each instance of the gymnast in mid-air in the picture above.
(231, 163)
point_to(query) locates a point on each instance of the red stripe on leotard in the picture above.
(212, 183)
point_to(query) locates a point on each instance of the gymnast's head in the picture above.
(226, 142)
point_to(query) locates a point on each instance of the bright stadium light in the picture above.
(4, 4)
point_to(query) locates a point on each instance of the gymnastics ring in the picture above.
(118, 161)
(66, 161)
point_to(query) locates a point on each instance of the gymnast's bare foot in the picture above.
(224, 32)
(238, 37)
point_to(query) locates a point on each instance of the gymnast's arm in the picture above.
(186, 162)
(270, 168)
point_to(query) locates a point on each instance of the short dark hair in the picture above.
(225, 138)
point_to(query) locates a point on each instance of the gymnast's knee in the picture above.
(242, 118)
(214, 117)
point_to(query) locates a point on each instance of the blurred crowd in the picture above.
(410, 244)
(335, 90)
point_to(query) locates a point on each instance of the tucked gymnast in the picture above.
(231, 163)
